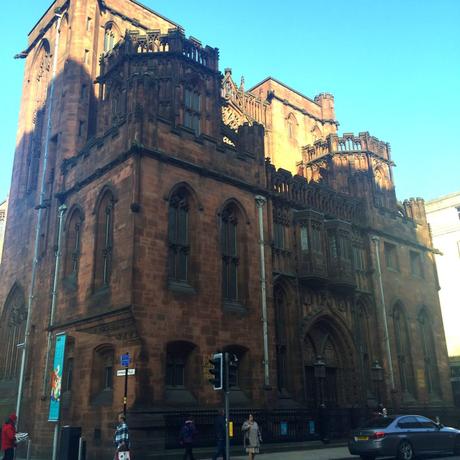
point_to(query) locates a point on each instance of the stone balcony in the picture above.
(348, 143)
(152, 43)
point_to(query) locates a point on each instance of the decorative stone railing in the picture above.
(348, 143)
(298, 191)
(174, 42)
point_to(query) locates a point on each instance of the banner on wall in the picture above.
(56, 378)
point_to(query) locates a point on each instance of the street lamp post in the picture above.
(377, 378)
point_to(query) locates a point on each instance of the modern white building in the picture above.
(3, 213)
(443, 215)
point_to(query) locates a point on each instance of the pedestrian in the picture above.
(9, 437)
(221, 430)
(252, 437)
(121, 439)
(186, 437)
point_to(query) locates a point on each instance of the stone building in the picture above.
(195, 216)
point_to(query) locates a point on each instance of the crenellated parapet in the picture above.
(347, 143)
(153, 42)
(415, 209)
(296, 190)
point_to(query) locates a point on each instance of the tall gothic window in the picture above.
(178, 237)
(281, 341)
(280, 225)
(73, 243)
(104, 240)
(109, 38)
(429, 353)
(230, 254)
(12, 334)
(192, 110)
(403, 352)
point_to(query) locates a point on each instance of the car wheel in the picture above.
(405, 451)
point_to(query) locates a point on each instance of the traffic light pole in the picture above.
(227, 407)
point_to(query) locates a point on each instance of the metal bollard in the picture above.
(29, 448)
(81, 443)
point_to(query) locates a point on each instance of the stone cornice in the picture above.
(303, 111)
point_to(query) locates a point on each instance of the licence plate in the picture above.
(361, 438)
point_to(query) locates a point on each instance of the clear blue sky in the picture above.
(392, 65)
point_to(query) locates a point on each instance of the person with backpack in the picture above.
(186, 437)
(9, 437)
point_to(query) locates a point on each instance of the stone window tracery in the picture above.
(429, 354)
(178, 237)
(73, 242)
(12, 334)
(230, 254)
(109, 38)
(192, 110)
(104, 240)
(403, 351)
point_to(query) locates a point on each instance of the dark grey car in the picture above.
(403, 437)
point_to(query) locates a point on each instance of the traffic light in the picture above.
(217, 371)
(232, 370)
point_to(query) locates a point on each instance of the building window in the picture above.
(391, 256)
(177, 363)
(178, 236)
(304, 246)
(429, 353)
(280, 336)
(403, 352)
(416, 265)
(102, 375)
(73, 242)
(359, 259)
(316, 237)
(458, 212)
(109, 38)
(192, 110)
(88, 24)
(86, 57)
(230, 256)
(104, 240)
(12, 334)
(280, 224)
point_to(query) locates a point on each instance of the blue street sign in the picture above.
(125, 360)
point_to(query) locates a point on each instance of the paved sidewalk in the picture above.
(330, 453)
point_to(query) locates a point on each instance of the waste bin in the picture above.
(68, 445)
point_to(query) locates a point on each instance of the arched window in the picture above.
(104, 240)
(291, 126)
(72, 244)
(230, 253)
(403, 350)
(280, 336)
(429, 354)
(178, 237)
(109, 38)
(102, 374)
(12, 333)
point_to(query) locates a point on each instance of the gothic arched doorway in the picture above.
(329, 365)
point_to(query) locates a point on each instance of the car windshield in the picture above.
(378, 422)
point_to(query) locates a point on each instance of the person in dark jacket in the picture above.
(9, 437)
(219, 426)
(186, 437)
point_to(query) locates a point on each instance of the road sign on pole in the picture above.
(125, 360)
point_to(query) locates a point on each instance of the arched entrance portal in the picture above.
(329, 360)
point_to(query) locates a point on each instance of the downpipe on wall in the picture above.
(376, 241)
(260, 202)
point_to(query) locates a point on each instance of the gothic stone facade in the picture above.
(165, 167)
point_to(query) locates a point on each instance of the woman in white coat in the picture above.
(252, 437)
